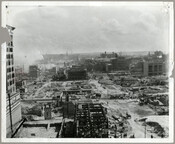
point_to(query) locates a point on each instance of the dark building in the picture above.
(151, 65)
(99, 66)
(76, 73)
(108, 68)
(51, 72)
(109, 55)
(33, 72)
(120, 63)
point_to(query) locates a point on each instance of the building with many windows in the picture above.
(152, 68)
(13, 107)
(155, 64)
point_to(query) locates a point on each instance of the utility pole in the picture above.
(67, 101)
(145, 129)
(115, 131)
(145, 126)
(10, 111)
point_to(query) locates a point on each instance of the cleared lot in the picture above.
(131, 107)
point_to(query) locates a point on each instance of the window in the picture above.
(155, 68)
(160, 67)
(13, 75)
(150, 68)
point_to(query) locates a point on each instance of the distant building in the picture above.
(76, 73)
(155, 64)
(52, 72)
(108, 68)
(154, 67)
(150, 65)
(33, 72)
(108, 63)
(13, 107)
(99, 66)
(102, 65)
(109, 55)
(120, 63)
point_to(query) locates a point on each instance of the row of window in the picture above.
(14, 102)
(11, 89)
(155, 68)
(10, 76)
(9, 56)
(10, 62)
(9, 49)
(11, 82)
(10, 43)
(10, 69)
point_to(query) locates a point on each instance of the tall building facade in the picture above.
(13, 107)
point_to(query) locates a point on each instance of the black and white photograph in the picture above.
(87, 72)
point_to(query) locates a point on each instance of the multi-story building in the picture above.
(13, 107)
(155, 64)
(154, 67)
(51, 72)
(33, 72)
(120, 63)
(76, 73)
(136, 68)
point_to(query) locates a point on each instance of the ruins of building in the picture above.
(91, 121)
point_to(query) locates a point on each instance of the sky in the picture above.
(83, 29)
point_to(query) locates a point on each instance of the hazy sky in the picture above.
(41, 30)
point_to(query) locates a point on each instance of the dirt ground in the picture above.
(38, 132)
(118, 107)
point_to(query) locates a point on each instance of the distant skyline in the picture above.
(73, 29)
